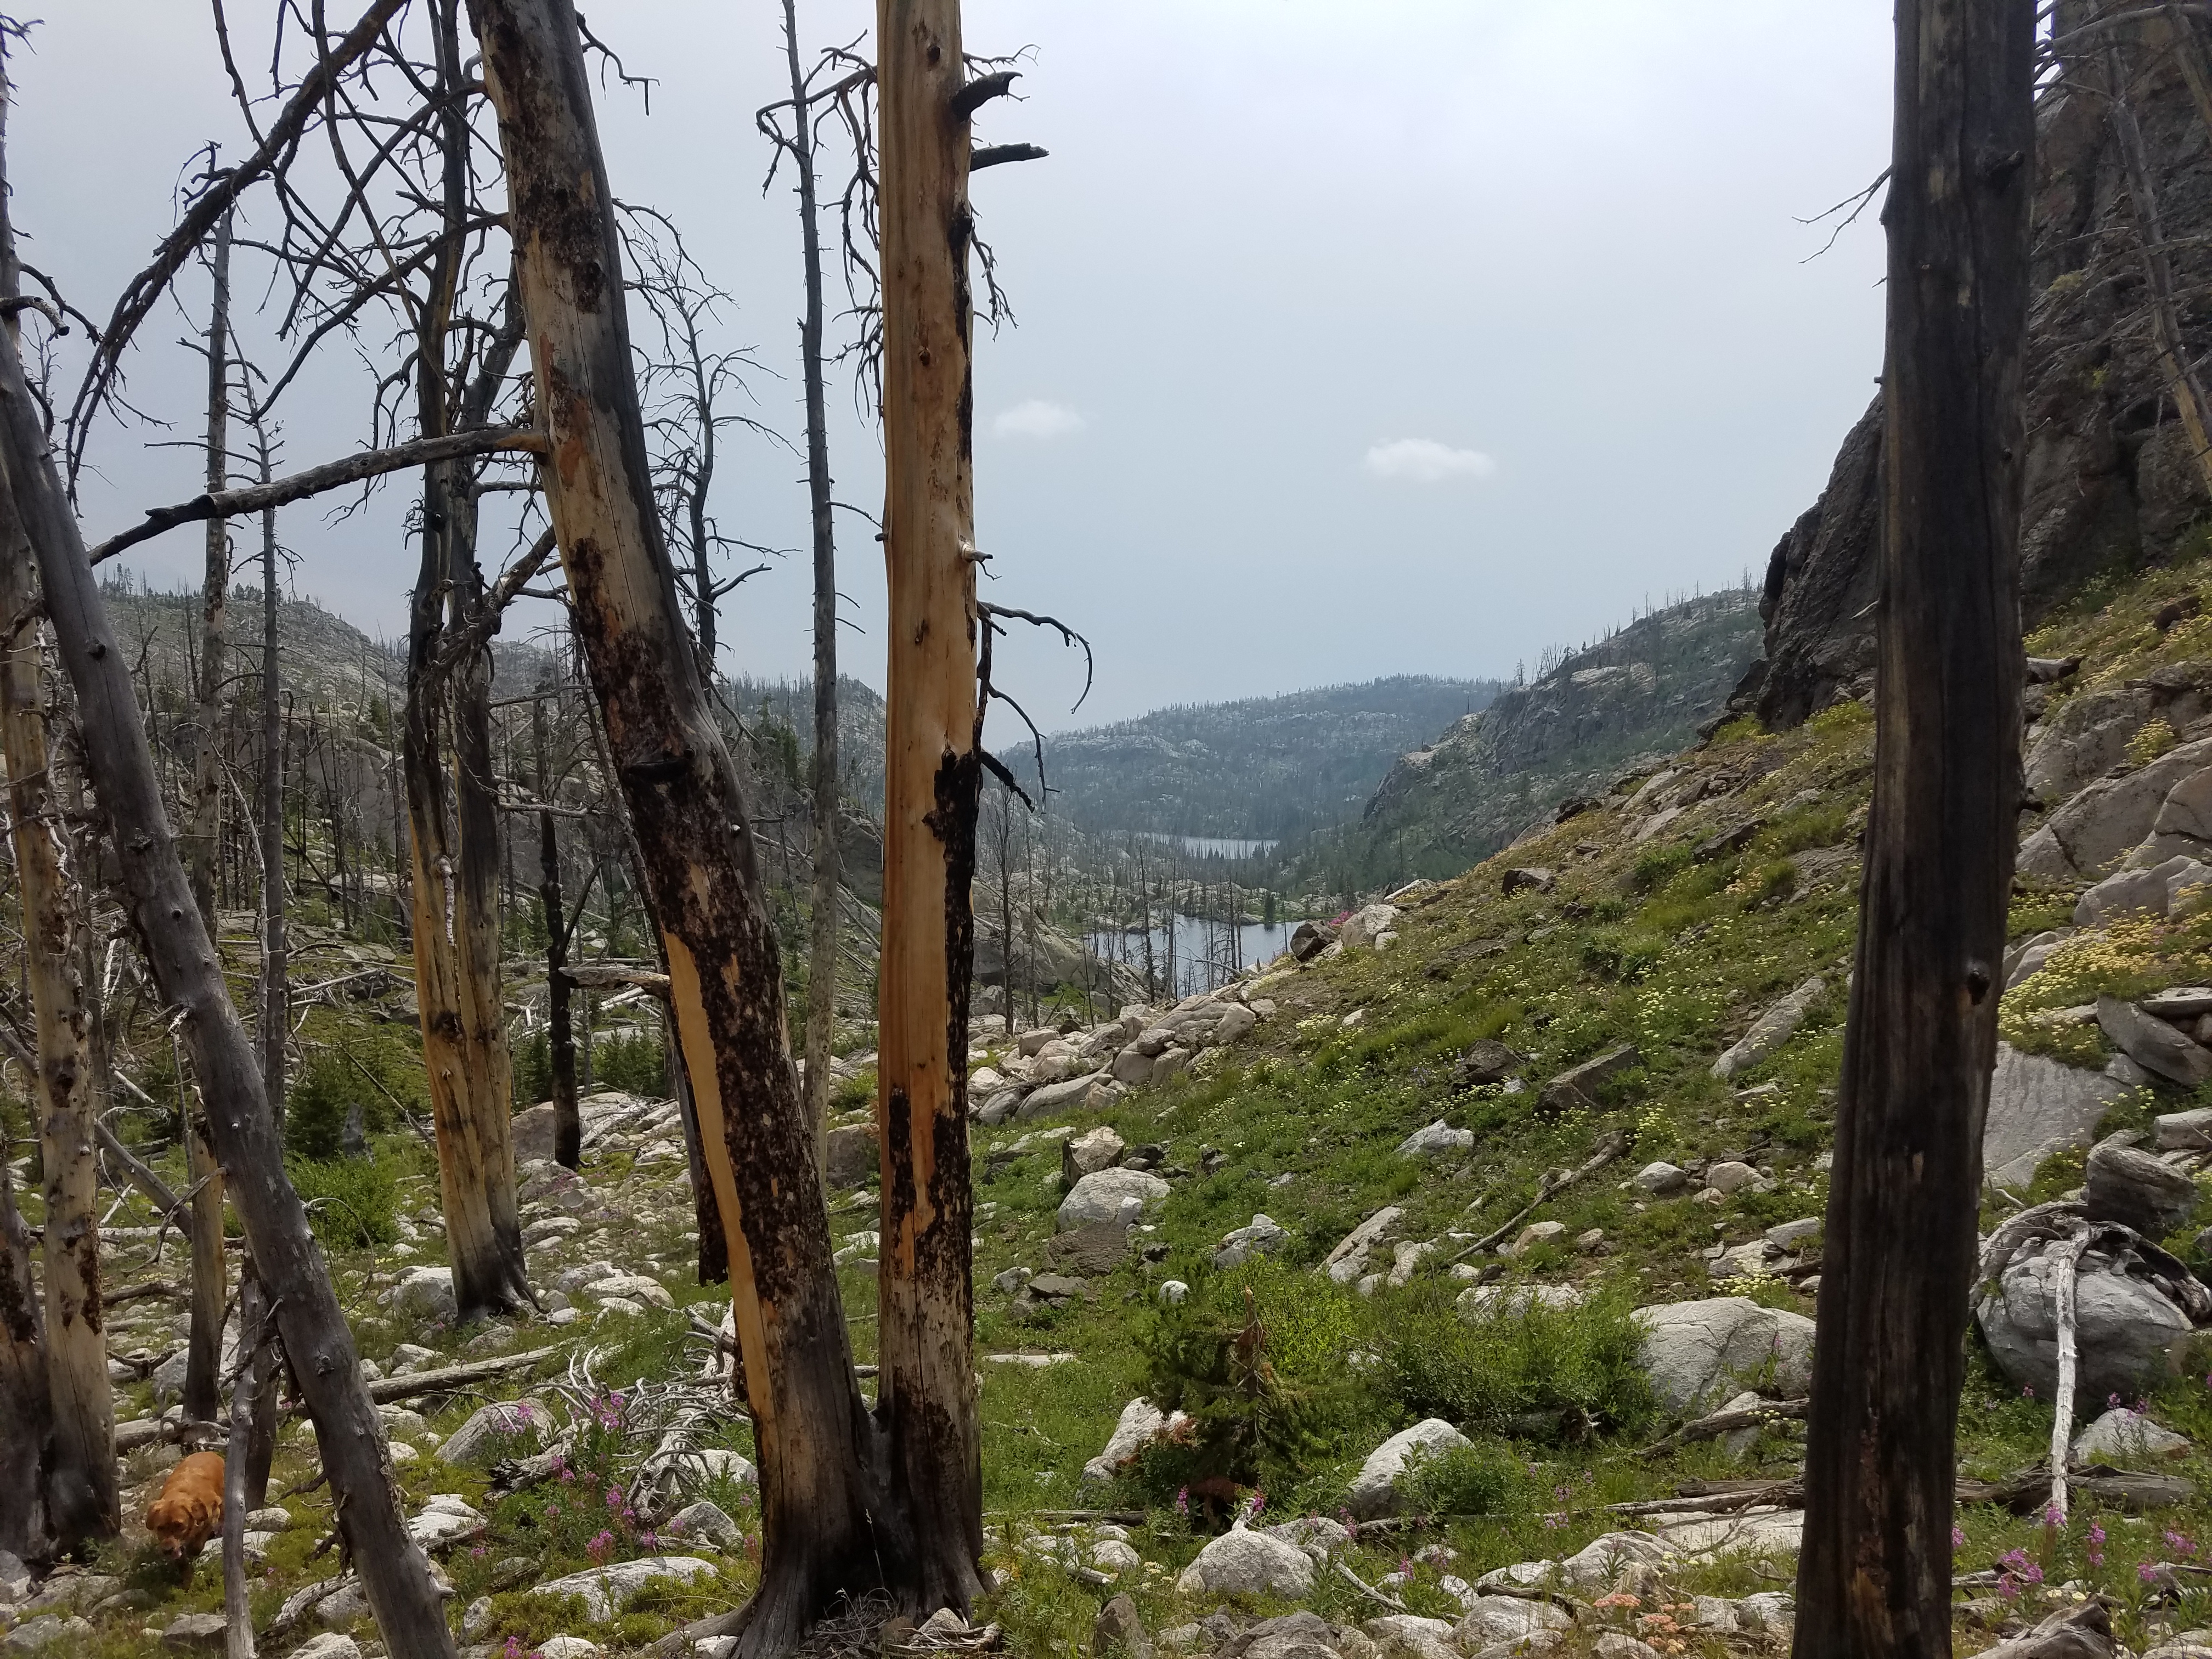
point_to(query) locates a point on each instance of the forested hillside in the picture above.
(1270, 768)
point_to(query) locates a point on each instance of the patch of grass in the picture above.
(352, 1203)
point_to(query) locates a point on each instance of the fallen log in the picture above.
(1717, 1423)
(389, 1390)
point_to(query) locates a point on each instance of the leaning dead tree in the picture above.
(1874, 1578)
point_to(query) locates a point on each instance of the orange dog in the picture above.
(189, 1511)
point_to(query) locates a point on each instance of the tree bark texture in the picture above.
(27, 1418)
(821, 943)
(455, 842)
(188, 976)
(80, 1496)
(215, 597)
(1874, 1579)
(696, 849)
(926, 1398)
(203, 1396)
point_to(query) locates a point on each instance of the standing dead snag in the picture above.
(1874, 1578)
(926, 1396)
(188, 975)
(74, 1475)
(695, 846)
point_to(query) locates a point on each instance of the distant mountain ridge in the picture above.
(1272, 767)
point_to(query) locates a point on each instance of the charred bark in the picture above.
(695, 846)
(188, 976)
(560, 1037)
(203, 1396)
(215, 595)
(1875, 1574)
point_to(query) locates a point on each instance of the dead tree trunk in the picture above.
(203, 1396)
(1874, 1577)
(188, 976)
(696, 845)
(456, 843)
(78, 1485)
(926, 1400)
(27, 1416)
(560, 1037)
(214, 596)
(275, 1019)
(821, 943)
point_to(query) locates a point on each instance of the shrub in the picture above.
(634, 1061)
(1478, 1479)
(352, 1202)
(533, 1071)
(370, 1068)
(1569, 1371)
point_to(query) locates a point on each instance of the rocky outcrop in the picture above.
(1496, 773)
(2109, 481)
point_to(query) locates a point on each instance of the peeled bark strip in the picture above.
(188, 975)
(1874, 1577)
(925, 1399)
(694, 844)
(78, 1476)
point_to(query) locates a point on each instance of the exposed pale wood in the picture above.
(2066, 1258)
(926, 1394)
(700, 874)
(390, 1390)
(1874, 1577)
(188, 977)
(251, 1377)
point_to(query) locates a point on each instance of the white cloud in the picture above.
(1037, 418)
(1423, 460)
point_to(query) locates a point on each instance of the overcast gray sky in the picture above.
(1353, 340)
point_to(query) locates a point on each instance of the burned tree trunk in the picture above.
(77, 1483)
(275, 1018)
(188, 975)
(560, 1037)
(215, 597)
(822, 943)
(926, 1398)
(27, 1416)
(203, 1396)
(1874, 1577)
(696, 845)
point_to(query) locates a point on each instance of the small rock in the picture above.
(1790, 1234)
(2126, 1438)
(608, 1589)
(1770, 1030)
(1591, 1242)
(1374, 1490)
(1013, 1279)
(329, 1644)
(1110, 1196)
(1539, 1232)
(1407, 1635)
(1660, 1179)
(476, 1618)
(1533, 878)
(424, 1294)
(1348, 1261)
(491, 1429)
(708, 1521)
(2137, 1190)
(850, 1153)
(1090, 1152)
(2185, 1131)
(1436, 1140)
(1486, 1062)
(568, 1647)
(1172, 1292)
(1692, 1349)
(2154, 1044)
(1730, 1176)
(1119, 1630)
(1263, 1237)
(196, 1632)
(1140, 1423)
(1245, 1563)
(1577, 1086)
